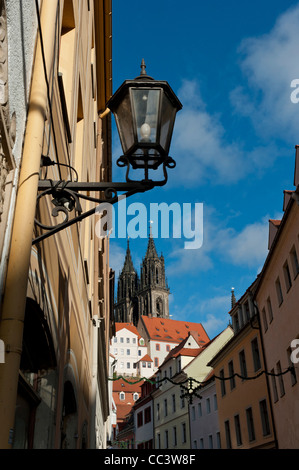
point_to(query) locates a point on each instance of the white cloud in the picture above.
(202, 149)
(247, 247)
(269, 64)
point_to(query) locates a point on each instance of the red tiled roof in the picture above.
(120, 385)
(123, 411)
(165, 329)
(128, 326)
(145, 358)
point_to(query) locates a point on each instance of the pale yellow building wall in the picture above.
(75, 262)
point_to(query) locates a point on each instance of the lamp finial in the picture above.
(143, 67)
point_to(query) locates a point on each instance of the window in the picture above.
(167, 347)
(269, 308)
(227, 435)
(170, 372)
(287, 276)
(223, 391)
(278, 291)
(218, 440)
(210, 441)
(128, 365)
(250, 425)
(294, 261)
(135, 396)
(184, 437)
(255, 354)
(243, 367)
(264, 418)
(166, 440)
(238, 430)
(173, 404)
(199, 410)
(157, 347)
(246, 311)
(165, 407)
(208, 406)
(156, 362)
(121, 340)
(193, 413)
(128, 352)
(147, 415)
(274, 387)
(158, 441)
(139, 419)
(128, 340)
(231, 374)
(280, 379)
(201, 444)
(134, 340)
(158, 411)
(122, 395)
(264, 315)
(215, 402)
(174, 436)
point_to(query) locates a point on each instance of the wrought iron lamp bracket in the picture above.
(66, 194)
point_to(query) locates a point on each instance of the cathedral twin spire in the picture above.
(147, 295)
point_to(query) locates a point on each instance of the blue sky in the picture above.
(231, 64)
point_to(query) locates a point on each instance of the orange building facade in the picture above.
(244, 410)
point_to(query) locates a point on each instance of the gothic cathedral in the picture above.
(147, 295)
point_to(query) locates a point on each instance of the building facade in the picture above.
(203, 412)
(162, 335)
(244, 409)
(277, 299)
(128, 348)
(56, 313)
(189, 360)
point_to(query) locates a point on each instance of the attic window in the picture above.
(187, 326)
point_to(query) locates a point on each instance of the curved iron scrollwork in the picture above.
(64, 201)
(66, 194)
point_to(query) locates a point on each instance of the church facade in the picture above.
(146, 294)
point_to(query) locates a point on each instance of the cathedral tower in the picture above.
(153, 290)
(147, 295)
(126, 306)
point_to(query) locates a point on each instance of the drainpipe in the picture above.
(14, 299)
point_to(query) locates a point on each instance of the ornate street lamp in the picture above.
(145, 111)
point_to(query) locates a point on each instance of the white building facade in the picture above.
(204, 427)
(127, 347)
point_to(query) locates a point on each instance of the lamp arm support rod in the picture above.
(131, 190)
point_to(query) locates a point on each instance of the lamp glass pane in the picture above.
(146, 107)
(124, 121)
(168, 114)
